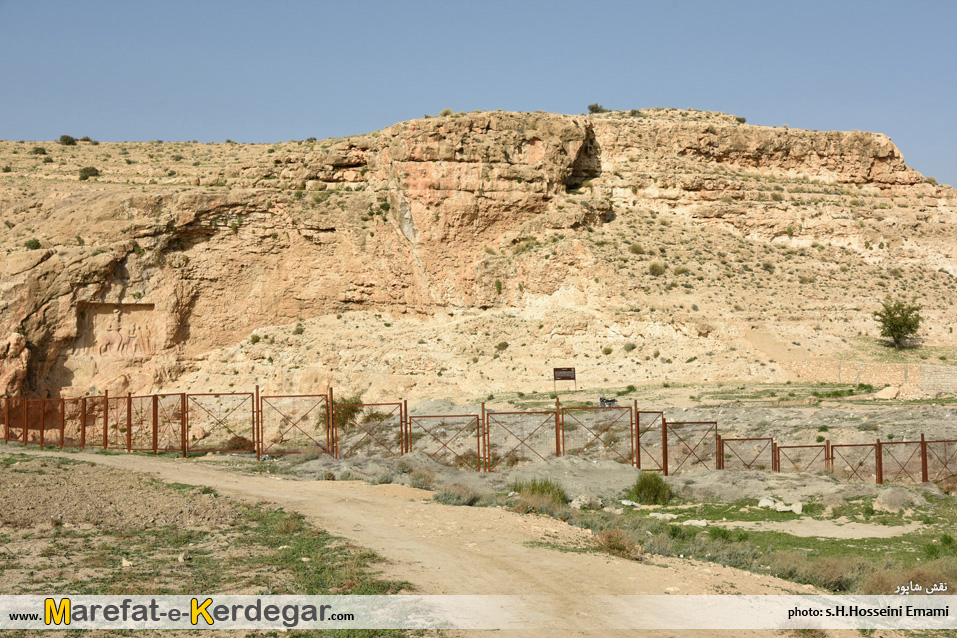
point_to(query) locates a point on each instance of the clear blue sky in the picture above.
(273, 71)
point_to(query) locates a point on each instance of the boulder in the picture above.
(585, 501)
(890, 392)
(895, 499)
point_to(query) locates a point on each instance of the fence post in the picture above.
(559, 429)
(155, 424)
(182, 424)
(879, 454)
(329, 420)
(26, 413)
(828, 457)
(636, 437)
(408, 426)
(333, 427)
(664, 445)
(774, 457)
(483, 451)
(83, 423)
(129, 421)
(923, 459)
(257, 424)
(43, 421)
(62, 420)
(106, 418)
(718, 452)
(6, 419)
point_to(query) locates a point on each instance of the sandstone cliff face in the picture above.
(166, 264)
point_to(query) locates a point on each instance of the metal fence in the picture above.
(268, 425)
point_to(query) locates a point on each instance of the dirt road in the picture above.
(443, 549)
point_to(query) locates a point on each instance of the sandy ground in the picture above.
(459, 550)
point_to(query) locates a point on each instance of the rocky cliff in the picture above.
(458, 254)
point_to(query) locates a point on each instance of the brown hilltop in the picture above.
(396, 262)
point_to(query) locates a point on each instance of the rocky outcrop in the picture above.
(179, 252)
(14, 358)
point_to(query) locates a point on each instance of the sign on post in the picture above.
(563, 374)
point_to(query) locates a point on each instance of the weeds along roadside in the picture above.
(863, 566)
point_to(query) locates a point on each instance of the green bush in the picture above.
(636, 249)
(8, 169)
(37, 150)
(67, 140)
(32, 244)
(650, 489)
(541, 487)
(498, 286)
(501, 345)
(89, 171)
(596, 108)
(656, 269)
(629, 346)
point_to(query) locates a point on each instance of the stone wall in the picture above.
(925, 378)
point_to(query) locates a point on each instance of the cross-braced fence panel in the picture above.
(802, 458)
(901, 462)
(170, 422)
(294, 424)
(942, 463)
(368, 430)
(747, 454)
(649, 427)
(855, 462)
(692, 445)
(221, 422)
(452, 440)
(514, 437)
(599, 433)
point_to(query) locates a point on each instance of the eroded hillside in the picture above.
(463, 255)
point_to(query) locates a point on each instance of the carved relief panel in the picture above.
(115, 330)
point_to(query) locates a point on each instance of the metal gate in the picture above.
(221, 422)
(942, 463)
(599, 433)
(854, 461)
(801, 458)
(453, 440)
(651, 438)
(759, 457)
(291, 424)
(512, 437)
(691, 445)
(368, 429)
(901, 462)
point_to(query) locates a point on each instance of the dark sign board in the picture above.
(564, 374)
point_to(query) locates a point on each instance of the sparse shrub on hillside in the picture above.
(650, 489)
(606, 350)
(636, 249)
(67, 140)
(656, 269)
(254, 339)
(930, 180)
(446, 112)
(8, 169)
(32, 244)
(89, 171)
(498, 286)
(740, 120)
(596, 108)
(299, 329)
(501, 345)
(37, 150)
(768, 266)
(681, 270)
(628, 347)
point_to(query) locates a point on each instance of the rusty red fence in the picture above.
(599, 433)
(802, 458)
(690, 445)
(288, 424)
(513, 437)
(224, 422)
(450, 439)
(747, 454)
(369, 429)
(291, 424)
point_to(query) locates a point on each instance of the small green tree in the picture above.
(596, 108)
(899, 320)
